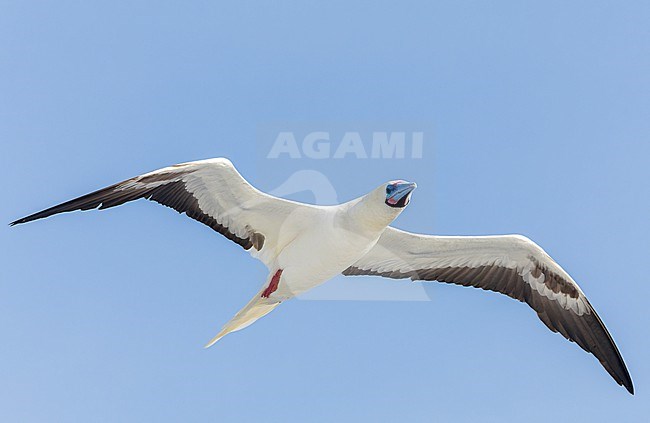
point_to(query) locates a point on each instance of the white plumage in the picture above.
(304, 245)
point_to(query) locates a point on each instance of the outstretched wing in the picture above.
(210, 191)
(512, 265)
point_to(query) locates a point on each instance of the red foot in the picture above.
(273, 286)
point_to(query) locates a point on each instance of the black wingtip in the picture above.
(629, 387)
(20, 221)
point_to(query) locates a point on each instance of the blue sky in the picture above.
(536, 122)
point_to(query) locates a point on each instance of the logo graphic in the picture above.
(327, 164)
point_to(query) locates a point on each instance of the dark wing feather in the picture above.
(164, 187)
(513, 266)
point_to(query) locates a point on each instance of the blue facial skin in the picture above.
(397, 193)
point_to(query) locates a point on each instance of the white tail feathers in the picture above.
(258, 307)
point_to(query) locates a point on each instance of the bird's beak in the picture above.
(402, 190)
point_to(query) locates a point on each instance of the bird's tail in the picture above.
(258, 307)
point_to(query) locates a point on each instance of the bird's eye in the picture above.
(390, 189)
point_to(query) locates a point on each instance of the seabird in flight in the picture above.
(304, 245)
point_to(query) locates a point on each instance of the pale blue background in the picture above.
(541, 116)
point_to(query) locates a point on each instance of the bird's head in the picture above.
(398, 193)
(381, 206)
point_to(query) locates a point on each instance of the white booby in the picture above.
(304, 245)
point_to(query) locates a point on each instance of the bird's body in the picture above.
(314, 246)
(304, 245)
(323, 243)
(319, 252)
